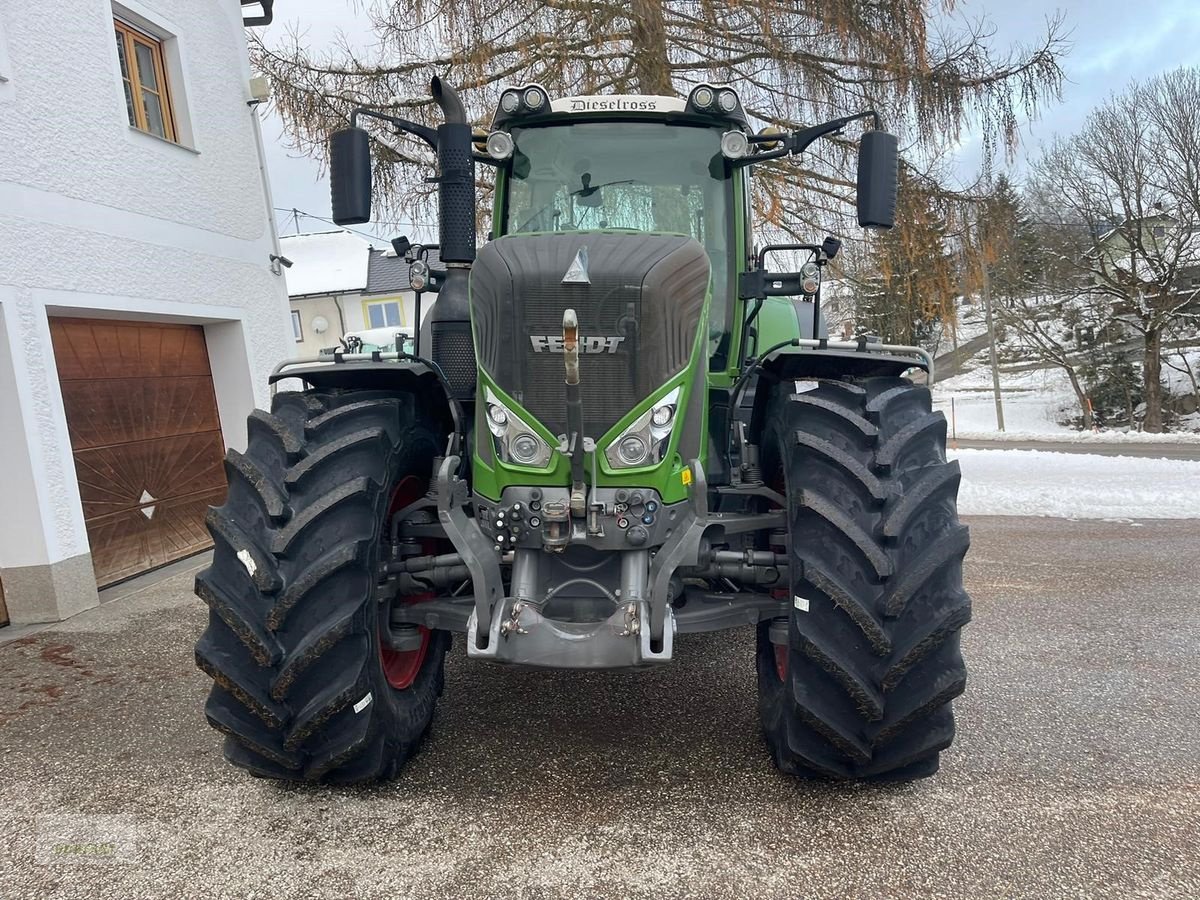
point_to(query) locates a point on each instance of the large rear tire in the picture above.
(859, 684)
(304, 683)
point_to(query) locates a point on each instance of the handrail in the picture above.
(871, 347)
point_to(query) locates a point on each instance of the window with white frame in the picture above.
(297, 328)
(382, 313)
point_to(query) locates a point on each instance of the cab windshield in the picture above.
(640, 176)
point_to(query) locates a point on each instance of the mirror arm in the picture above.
(799, 141)
(424, 132)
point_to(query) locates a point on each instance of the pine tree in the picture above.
(1005, 229)
(913, 277)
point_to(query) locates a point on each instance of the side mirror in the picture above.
(878, 169)
(350, 176)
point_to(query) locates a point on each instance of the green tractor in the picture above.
(616, 426)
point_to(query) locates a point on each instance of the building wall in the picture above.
(327, 308)
(101, 220)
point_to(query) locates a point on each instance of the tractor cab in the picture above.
(629, 164)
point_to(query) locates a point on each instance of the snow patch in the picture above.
(330, 262)
(1076, 485)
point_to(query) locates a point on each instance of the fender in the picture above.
(387, 371)
(831, 359)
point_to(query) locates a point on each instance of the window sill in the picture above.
(159, 140)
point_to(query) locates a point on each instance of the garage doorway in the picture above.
(145, 436)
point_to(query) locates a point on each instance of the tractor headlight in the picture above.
(514, 441)
(645, 441)
(727, 100)
(703, 97)
(418, 275)
(524, 448)
(510, 101)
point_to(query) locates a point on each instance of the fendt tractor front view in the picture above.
(615, 426)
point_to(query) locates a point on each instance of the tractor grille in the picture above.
(645, 290)
(608, 383)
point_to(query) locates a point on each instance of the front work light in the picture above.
(499, 145)
(510, 101)
(734, 145)
(534, 98)
(703, 97)
(727, 100)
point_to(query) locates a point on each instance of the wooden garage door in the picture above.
(146, 438)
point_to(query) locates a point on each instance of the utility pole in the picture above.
(296, 219)
(986, 280)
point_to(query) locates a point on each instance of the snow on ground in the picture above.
(1086, 437)
(1076, 485)
(1037, 400)
(1034, 401)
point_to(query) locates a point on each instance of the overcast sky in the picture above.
(1114, 42)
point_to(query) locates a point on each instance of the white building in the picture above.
(339, 283)
(140, 309)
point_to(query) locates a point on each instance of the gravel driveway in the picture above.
(1076, 772)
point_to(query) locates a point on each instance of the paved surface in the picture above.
(1130, 448)
(1075, 773)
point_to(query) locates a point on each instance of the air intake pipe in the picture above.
(448, 326)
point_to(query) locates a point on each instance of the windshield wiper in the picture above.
(587, 190)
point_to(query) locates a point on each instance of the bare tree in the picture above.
(793, 61)
(1053, 329)
(1125, 194)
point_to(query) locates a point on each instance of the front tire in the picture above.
(294, 642)
(859, 679)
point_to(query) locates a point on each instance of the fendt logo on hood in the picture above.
(543, 343)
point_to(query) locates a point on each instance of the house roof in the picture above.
(387, 273)
(326, 262)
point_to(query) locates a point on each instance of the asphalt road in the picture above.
(1075, 772)
(1130, 448)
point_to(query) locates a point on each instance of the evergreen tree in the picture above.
(1005, 230)
(913, 279)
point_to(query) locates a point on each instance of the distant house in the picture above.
(325, 285)
(1161, 240)
(389, 300)
(339, 283)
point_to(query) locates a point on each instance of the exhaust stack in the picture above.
(447, 331)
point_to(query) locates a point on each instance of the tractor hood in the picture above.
(639, 299)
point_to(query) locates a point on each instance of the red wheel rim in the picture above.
(779, 484)
(781, 661)
(401, 667)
